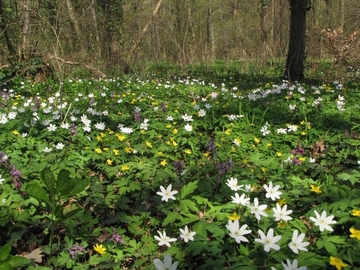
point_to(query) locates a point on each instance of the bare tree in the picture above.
(296, 54)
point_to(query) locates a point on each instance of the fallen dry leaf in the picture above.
(34, 255)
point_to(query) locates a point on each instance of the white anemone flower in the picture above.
(167, 193)
(233, 184)
(166, 265)
(258, 210)
(272, 192)
(236, 232)
(292, 265)
(163, 239)
(323, 221)
(269, 241)
(186, 234)
(282, 213)
(297, 243)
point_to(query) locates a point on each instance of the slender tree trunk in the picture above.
(76, 26)
(144, 30)
(296, 54)
(342, 13)
(25, 30)
(210, 32)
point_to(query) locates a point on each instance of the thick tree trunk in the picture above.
(4, 30)
(294, 70)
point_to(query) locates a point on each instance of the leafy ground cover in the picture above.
(186, 174)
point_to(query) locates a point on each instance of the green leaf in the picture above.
(351, 255)
(188, 189)
(63, 180)
(18, 261)
(171, 218)
(6, 266)
(36, 191)
(76, 186)
(331, 248)
(200, 228)
(71, 213)
(48, 179)
(185, 205)
(319, 244)
(5, 251)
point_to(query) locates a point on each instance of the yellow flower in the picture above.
(315, 189)
(237, 141)
(116, 152)
(174, 143)
(355, 233)
(337, 262)
(128, 150)
(110, 131)
(120, 137)
(269, 144)
(98, 150)
(234, 216)
(263, 169)
(228, 131)
(106, 148)
(279, 154)
(125, 168)
(282, 224)
(109, 161)
(207, 154)
(98, 138)
(175, 131)
(302, 158)
(168, 126)
(102, 134)
(355, 213)
(148, 144)
(160, 153)
(187, 151)
(15, 132)
(99, 249)
(142, 131)
(302, 122)
(163, 162)
(282, 202)
(233, 149)
(303, 133)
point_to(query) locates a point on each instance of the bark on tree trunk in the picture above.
(76, 26)
(210, 36)
(294, 70)
(4, 29)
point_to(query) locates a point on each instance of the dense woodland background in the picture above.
(106, 36)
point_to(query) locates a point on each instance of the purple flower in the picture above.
(296, 161)
(116, 237)
(299, 150)
(15, 173)
(179, 167)
(73, 130)
(163, 107)
(223, 168)
(210, 146)
(75, 249)
(137, 117)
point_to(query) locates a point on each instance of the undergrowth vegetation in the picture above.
(127, 173)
